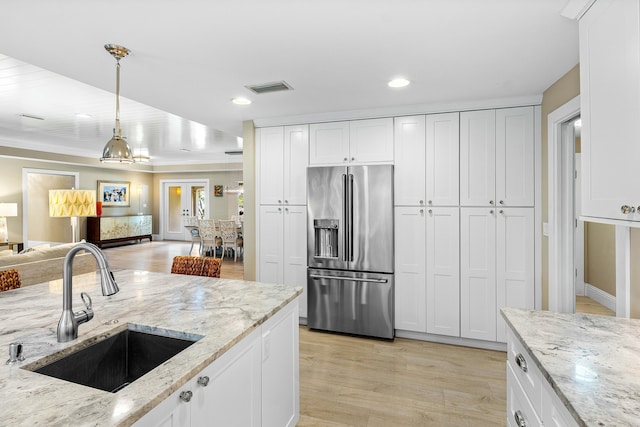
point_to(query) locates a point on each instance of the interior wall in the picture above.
(42, 228)
(11, 188)
(600, 256)
(558, 94)
(635, 273)
(249, 148)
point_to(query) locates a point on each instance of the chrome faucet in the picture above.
(69, 321)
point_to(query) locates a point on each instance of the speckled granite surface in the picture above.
(590, 361)
(222, 310)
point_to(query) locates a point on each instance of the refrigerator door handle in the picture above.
(350, 254)
(345, 215)
(351, 279)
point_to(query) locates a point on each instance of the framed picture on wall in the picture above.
(217, 190)
(114, 193)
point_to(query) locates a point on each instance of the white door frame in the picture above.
(561, 293)
(163, 210)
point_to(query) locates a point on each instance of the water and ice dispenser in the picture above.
(326, 238)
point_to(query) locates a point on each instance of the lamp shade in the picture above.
(8, 209)
(70, 203)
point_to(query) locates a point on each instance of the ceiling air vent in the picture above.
(270, 87)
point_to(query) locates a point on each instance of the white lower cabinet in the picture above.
(427, 285)
(255, 383)
(496, 268)
(282, 249)
(531, 400)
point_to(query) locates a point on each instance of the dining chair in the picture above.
(191, 224)
(207, 231)
(229, 236)
(9, 279)
(196, 266)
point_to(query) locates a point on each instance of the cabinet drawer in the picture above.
(519, 407)
(525, 369)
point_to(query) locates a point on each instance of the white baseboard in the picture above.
(600, 296)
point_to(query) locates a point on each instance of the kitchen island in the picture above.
(226, 313)
(572, 369)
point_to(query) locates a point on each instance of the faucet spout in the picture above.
(69, 321)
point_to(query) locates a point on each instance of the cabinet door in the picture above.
(478, 273)
(233, 394)
(171, 412)
(271, 233)
(371, 140)
(410, 283)
(280, 369)
(295, 251)
(477, 158)
(270, 155)
(610, 107)
(409, 171)
(443, 159)
(514, 157)
(443, 271)
(514, 262)
(329, 143)
(296, 159)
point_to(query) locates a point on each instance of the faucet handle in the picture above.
(85, 315)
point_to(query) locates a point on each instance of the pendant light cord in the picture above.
(118, 99)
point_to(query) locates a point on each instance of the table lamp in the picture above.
(6, 209)
(72, 204)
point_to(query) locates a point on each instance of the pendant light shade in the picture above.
(117, 150)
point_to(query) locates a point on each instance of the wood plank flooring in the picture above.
(351, 381)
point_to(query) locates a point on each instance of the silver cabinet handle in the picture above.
(501, 202)
(430, 211)
(203, 381)
(350, 279)
(491, 202)
(520, 420)
(521, 362)
(430, 202)
(421, 202)
(421, 211)
(353, 159)
(186, 396)
(491, 211)
(279, 201)
(626, 209)
(346, 160)
(501, 211)
(286, 201)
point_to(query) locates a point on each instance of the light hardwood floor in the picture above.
(351, 381)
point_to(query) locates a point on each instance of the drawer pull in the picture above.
(521, 362)
(520, 420)
(186, 396)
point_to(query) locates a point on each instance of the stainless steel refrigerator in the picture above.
(350, 284)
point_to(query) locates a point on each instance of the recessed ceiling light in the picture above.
(83, 116)
(241, 101)
(399, 82)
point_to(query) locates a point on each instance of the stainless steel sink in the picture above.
(115, 362)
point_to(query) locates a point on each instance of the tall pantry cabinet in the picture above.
(497, 188)
(426, 224)
(282, 154)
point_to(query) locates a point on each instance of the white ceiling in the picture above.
(191, 57)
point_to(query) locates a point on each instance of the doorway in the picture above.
(181, 199)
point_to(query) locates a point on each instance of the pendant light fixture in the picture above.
(117, 150)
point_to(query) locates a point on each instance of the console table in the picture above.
(114, 229)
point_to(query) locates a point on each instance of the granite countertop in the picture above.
(590, 361)
(223, 311)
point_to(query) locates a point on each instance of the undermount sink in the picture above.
(118, 360)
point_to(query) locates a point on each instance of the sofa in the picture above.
(43, 264)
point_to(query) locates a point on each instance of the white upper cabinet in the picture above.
(410, 154)
(283, 154)
(610, 107)
(442, 159)
(515, 157)
(296, 155)
(477, 158)
(358, 141)
(497, 157)
(271, 164)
